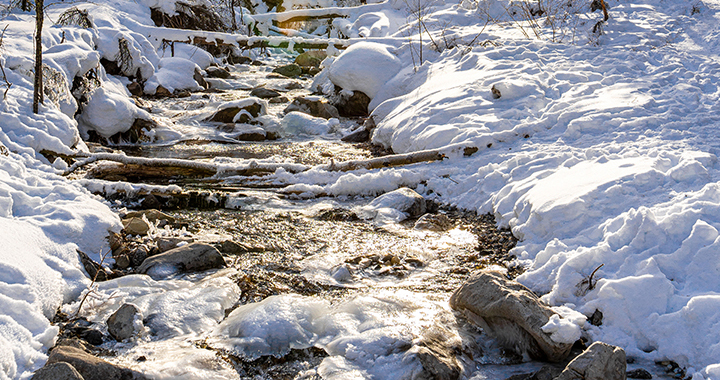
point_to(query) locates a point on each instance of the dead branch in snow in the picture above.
(385, 161)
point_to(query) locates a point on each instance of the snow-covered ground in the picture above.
(599, 150)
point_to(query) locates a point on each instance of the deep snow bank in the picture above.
(594, 155)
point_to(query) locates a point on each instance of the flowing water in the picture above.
(311, 290)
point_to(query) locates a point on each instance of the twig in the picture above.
(591, 286)
(92, 284)
(7, 83)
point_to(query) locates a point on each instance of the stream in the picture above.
(311, 289)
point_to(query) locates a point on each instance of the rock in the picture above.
(90, 367)
(138, 255)
(93, 269)
(162, 92)
(230, 247)
(311, 58)
(292, 70)
(135, 226)
(361, 134)
(233, 59)
(351, 105)
(433, 222)
(638, 374)
(509, 312)
(166, 244)
(198, 76)
(121, 324)
(227, 115)
(403, 199)
(193, 257)
(150, 201)
(314, 106)
(436, 352)
(278, 100)
(152, 215)
(57, 371)
(135, 88)
(545, 373)
(264, 93)
(257, 63)
(293, 86)
(122, 262)
(596, 318)
(217, 72)
(600, 361)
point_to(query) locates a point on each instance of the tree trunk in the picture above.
(38, 91)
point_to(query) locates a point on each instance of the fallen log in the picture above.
(385, 161)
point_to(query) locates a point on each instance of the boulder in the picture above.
(600, 361)
(436, 352)
(311, 58)
(233, 59)
(91, 367)
(121, 324)
(217, 72)
(314, 106)
(162, 92)
(351, 104)
(292, 70)
(509, 312)
(404, 199)
(138, 255)
(361, 134)
(639, 374)
(264, 93)
(135, 226)
(193, 257)
(94, 270)
(57, 371)
(227, 114)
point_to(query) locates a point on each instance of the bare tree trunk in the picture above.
(25, 5)
(232, 13)
(38, 91)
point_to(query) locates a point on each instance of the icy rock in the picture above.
(135, 89)
(404, 199)
(135, 226)
(433, 222)
(233, 59)
(217, 72)
(264, 93)
(239, 112)
(354, 103)
(600, 361)
(93, 269)
(509, 312)
(90, 367)
(121, 324)
(188, 258)
(138, 255)
(314, 106)
(166, 244)
(152, 215)
(290, 71)
(311, 58)
(162, 92)
(436, 352)
(57, 371)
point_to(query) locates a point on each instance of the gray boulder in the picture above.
(509, 312)
(264, 93)
(403, 199)
(121, 323)
(311, 58)
(227, 114)
(188, 258)
(600, 361)
(91, 367)
(217, 72)
(436, 352)
(57, 371)
(350, 105)
(135, 226)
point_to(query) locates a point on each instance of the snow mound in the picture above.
(174, 73)
(364, 66)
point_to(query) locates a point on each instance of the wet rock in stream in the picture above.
(193, 257)
(91, 367)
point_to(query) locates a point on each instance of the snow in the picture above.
(108, 113)
(364, 66)
(174, 73)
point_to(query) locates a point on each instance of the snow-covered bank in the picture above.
(594, 155)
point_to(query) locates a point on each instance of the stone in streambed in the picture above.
(290, 71)
(57, 371)
(91, 367)
(250, 108)
(217, 72)
(436, 352)
(188, 258)
(166, 244)
(152, 215)
(135, 226)
(264, 93)
(311, 58)
(121, 324)
(600, 361)
(314, 106)
(509, 312)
